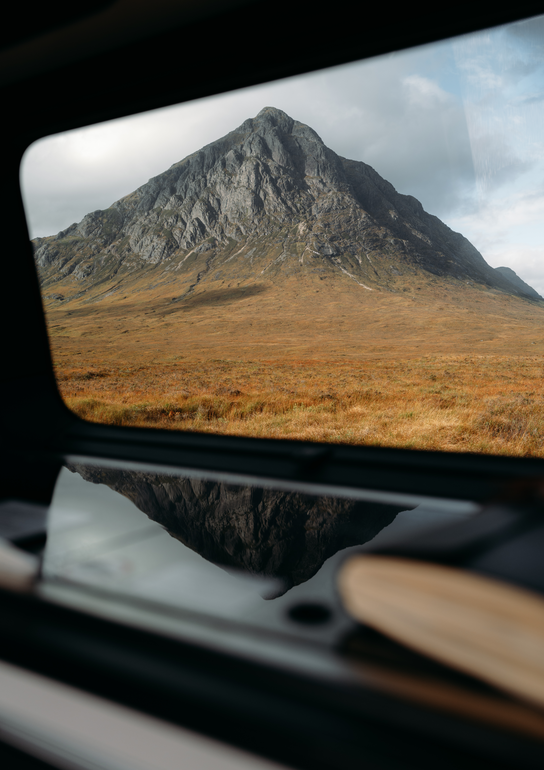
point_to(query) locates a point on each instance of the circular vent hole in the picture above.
(310, 613)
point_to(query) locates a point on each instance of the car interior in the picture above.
(366, 604)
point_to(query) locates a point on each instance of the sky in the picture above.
(458, 124)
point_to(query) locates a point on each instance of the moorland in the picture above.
(422, 371)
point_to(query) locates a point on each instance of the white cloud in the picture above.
(499, 79)
(369, 111)
(508, 230)
(424, 92)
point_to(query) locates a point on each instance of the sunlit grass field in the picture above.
(485, 403)
(434, 364)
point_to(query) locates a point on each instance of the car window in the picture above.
(350, 256)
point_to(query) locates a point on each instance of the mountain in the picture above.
(508, 273)
(267, 202)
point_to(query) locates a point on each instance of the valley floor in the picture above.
(484, 403)
(441, 366)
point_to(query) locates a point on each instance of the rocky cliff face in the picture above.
(266, 199)
(286, 535)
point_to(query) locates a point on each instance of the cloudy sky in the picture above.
(459, 125)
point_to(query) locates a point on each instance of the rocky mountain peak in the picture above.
(271, 117)
(267, 198)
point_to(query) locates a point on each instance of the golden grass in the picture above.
(435, 364)
(490, 404)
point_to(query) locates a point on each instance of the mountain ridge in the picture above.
(266, 201)
(514, 278)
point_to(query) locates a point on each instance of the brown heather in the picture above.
(446, 367)
(472, 404)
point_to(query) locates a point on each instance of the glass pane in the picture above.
(350, 256)
(241, 552)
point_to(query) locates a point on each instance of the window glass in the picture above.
(189, 542)
(347, 256)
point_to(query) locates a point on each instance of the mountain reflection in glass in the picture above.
(267, 532)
